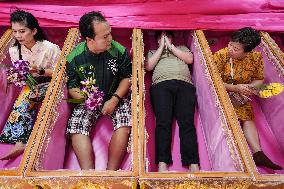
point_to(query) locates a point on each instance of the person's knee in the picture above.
(125, 130)
(248, 123)
(77, 137)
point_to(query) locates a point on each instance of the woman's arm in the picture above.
(154, 59)
(187, 57)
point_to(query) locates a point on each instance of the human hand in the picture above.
(244, 89)
(109, 106)
(34, 69)
(168, 43)
(162, 41)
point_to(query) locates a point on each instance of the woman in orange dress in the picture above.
(241, 69)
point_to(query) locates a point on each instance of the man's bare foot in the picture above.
(18, 149)
(194, 168)
(162, 167)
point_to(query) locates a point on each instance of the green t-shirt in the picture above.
(108, 68)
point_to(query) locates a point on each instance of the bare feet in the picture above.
(194, 168)
(162, 167)
(18, 149)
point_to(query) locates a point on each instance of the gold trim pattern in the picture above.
(226, 106)
(203, 51)
(5, 42)
(273, 47)
(273, 52)
(46, 113)
(201, 184)
(30, 165)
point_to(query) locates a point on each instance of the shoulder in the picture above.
(223, 51)
(79, 49)
(13, 50)
(221, 55)
(48, 45)
(257, 57)
(256, 54)
(116, 49)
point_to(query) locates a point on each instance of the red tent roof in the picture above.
(152, 14)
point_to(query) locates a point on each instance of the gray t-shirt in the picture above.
(170, 67)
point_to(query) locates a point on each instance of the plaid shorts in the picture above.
(82, 119)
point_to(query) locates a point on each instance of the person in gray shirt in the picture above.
(172, 95)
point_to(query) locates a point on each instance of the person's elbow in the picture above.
(189, 59)
(148, 66)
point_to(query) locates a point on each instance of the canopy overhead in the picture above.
(265, 15)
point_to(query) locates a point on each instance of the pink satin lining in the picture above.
(269, 123)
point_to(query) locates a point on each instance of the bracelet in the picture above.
(171, 47)
(118, 97)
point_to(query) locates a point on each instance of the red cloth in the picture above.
(152, 14)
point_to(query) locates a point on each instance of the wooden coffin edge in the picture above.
(38, 135)
(4, 45)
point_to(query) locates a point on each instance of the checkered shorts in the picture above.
(82, 119)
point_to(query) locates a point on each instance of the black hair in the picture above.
(86, 26)
(158, 34)
(26, 18)
(247, 36)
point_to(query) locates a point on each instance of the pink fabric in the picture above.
(214, 136)
(268, 120)
(7, 99)
(188, 14)
(54, 156)
(100, 137)
(60, 155)
(8, 164)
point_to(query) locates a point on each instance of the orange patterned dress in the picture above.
(245, 71)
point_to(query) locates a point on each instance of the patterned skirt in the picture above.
(21, 119)
(245, 112)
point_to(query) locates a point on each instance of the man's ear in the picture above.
(88, 39)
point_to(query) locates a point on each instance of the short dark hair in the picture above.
(86, 23)
(26, 18)
(247, 36)
(158, 33)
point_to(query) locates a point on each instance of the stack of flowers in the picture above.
(270, 90)
(19, 74)
(93, 95)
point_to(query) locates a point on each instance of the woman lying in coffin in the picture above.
(172, 94)
(32, 48)
(241, 69)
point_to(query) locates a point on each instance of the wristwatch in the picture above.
(41, 71)
(118, 97)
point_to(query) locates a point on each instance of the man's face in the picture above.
(103, 38)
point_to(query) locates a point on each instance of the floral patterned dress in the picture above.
(23, 115)
(245, 71)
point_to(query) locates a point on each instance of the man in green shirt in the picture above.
(106, 61)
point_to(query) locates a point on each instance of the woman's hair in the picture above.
(247, 36)
(26, 18)
(86, 25)
(158, 34)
